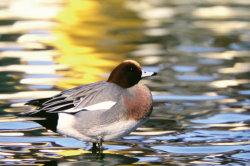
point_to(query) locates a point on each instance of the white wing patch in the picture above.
(100, 106)
(95, 107)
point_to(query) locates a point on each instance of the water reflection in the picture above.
(87, 38)
(90, 159)
(201, 95)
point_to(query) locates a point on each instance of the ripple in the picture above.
(242, 156)
(164, 97)
(18, 125)
(220, 12)
(28, 94)
(156, 32)
(244, 92)
(228, 83)
(116, 147)
(42, 75)
(182, 68)
(200, 49)
(211, 136)
(223, 27)
(223, 118)
(195, 78)
(238, 68)
(158, 13)
(206, 61)
(65, 142)
(148, 51)
(46, 87)
(200, 150)
(240, 46)
(148, 159)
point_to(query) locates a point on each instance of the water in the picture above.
(201, 50)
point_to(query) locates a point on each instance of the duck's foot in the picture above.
(94, 148)
(97, 147)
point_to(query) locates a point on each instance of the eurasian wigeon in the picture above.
(100, 111)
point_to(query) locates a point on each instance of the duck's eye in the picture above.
(131, 68)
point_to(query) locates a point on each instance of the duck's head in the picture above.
(128, 73)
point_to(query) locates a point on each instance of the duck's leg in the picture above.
(94, 148)
(99, 143)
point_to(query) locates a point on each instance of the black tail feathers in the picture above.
(37, 102)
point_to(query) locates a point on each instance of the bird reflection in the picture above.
(93, 160)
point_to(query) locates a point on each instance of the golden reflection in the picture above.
(230, 143)
(205, 162)
(157, 13)
(240, 128)
(149, 132)
(72, 152)
(92, 38)
(213, 12)
(226, 101)
(222, 27)
(227, 55)
(220, 12)
(238, 68)
(6, 154)
(228, 83)
(235, 125)
(7, 118)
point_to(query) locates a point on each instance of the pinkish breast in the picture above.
(138, 102)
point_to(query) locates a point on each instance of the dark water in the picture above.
(201, 50)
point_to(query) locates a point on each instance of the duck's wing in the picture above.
(82, 98)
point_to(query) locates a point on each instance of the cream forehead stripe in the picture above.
(134, 62)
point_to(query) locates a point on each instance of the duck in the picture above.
(100, 111)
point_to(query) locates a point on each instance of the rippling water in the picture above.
(201, 50)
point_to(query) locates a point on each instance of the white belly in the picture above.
(107, 132)
(115, 130)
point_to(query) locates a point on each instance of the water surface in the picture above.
(201, 50)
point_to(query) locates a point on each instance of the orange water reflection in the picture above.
(92, 38)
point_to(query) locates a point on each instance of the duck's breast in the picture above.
(138, 102)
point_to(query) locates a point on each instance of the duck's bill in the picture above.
(147, 74)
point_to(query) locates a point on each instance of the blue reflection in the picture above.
(65, 142)
(169, 97)
(195, 78)
(201, 149)
(223, 118)
(200, 49)
(180, 68)
(18, 125)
